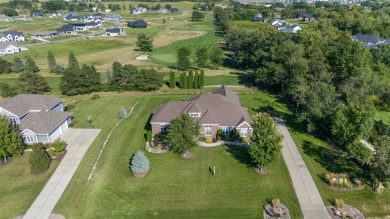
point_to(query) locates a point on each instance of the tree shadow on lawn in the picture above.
(331, 161)
(241, 154)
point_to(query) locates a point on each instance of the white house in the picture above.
(5, 18)
(138, 10)
(292, 29)
(10, 47)
(14, 36)
(39, 118)
(116, 31)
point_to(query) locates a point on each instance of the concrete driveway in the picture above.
(78, 141)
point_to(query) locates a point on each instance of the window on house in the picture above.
(244, 132)
(14, 121)
(194, 114)
(226, 130)
(29, 139)
(163, 128)
(207, 130)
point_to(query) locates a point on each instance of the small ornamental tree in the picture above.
(265, 145)
(122, 113)
(39, 160)
(51, 61)
(17, 64)
(30, 65)
(10, 140)
(139, 163)
(144, 43)
(182, 133)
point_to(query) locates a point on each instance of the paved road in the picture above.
(78, 141)
(309, 198)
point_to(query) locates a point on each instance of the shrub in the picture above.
(244, 139)
(58, 145)
(339, 203)
(214, 140)
(219, 134)
(208, 139)
(233, 135)
(72, 124)
(70, 107)
(201, 138)
(148, 136)
(122, 113)
(95, 96)
(39, 160)
(139, 163)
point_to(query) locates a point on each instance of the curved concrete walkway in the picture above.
(308, 195)
(78, 141)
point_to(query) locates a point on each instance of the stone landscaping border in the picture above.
(268, 212)
(334, 214)
(153, 150)
(343, 189)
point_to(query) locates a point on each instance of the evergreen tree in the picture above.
(32, 83)
(144, 43)
(201, 57)
(10, 139)
(17, 65)
(72, 63)
(30, 65)
(185, 85)
(51, 61)
(5, 66)
(39, 160)
(82, 80)
(122, 113)
(183, 58)
(139, 163)
(196, 79)
(7, 90)
(190, 80)
(201, 79)
(172, 79)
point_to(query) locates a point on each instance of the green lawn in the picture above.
(19, 188)
(54, 82)
(321, 160)
(166, 55)
(175, 187)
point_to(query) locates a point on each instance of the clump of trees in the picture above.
(52, 64)
(197, 15)
(380, 168)
(32, 83)
(182, 133)
(144, 43)
(265, 145)
(11, 142)
(204, 57)
(139, 164)
(192, 81)
(84, 80)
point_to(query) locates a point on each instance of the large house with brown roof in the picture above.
(218, 110)
(40, 118)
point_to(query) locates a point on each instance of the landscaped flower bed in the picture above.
(343, 182)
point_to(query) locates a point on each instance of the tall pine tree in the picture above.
(32, 83)
(172, 79)
(201, 79)
(72, 63)
(51, 61)
(190, 80)
(185, 84)
(30, 65)
(17, 65)
(196, 79)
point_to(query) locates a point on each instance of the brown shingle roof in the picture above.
(44, 122)
(221, 107)
(23, 103)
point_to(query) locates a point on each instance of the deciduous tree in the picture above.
(380, 167)
(183, 58)
(197, 15)
(202, 57)
(10, 139)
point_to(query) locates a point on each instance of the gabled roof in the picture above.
(66, 28)
(259, 19)
(305, 15)
(13, 33)
(78, 25)
(137, 23)
(43, 33)
(23, 103)
(367, 38)
(221, 107)
(4, 45)
(114, 30)
(43, 122)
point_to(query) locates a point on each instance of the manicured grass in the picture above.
(384, 116)
(54, 82)
(175, 187)
(225, 80)
(19, 188)
(320, 159)
(166, 55)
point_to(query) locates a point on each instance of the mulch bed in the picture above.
(348, 209)
(59, 157)
(342, 189)
(186, 155)
(9, 160)
(268, 212)
(261, 171)
(141, 175)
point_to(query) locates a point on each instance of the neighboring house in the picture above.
(14, 36)
(5, 18)
(162, 10)
(305, 17)
(40, 118)
(37, 14)
(116, 31)
(137, 24)
(370, 41)
(99, 16)
(278, 24)
(93, 24)
(292, 29)
(43, 34)
(67, 29)
(259, 19)
(115, 17)
(24, 18)
(72, 18)
(10, 47)
(218, 110)
(79, 27)
(174, 10)
(138, 10)
(107, 10)
(71, 13)
(3, 39)
(56, 14)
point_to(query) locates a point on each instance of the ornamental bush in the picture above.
(139, 163)
(39, 160)
(220, 134)
(208, 139)
(122, 113)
